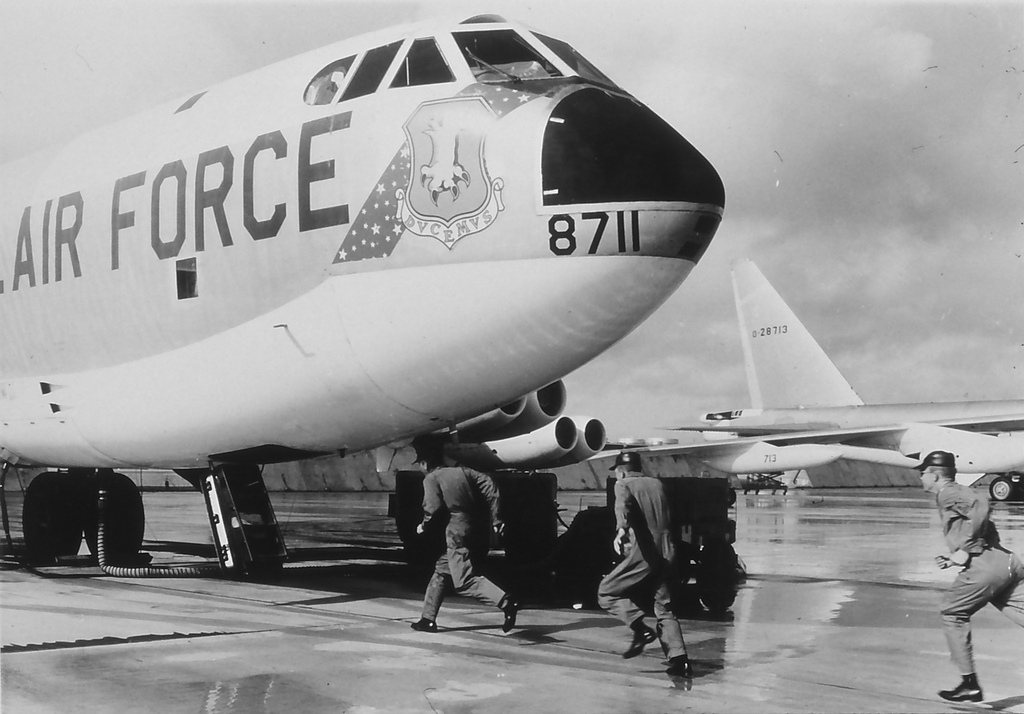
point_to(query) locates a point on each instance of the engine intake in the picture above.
(526, 414)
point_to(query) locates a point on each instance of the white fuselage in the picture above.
(249, 270)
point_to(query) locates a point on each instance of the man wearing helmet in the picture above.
(645, 535)
(468, 498)
(988, 572)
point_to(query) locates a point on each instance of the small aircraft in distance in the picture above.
(805, 414)
(416, 231)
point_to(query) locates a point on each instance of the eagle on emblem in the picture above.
(444, 173)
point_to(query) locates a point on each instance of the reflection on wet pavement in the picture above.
(839, 613)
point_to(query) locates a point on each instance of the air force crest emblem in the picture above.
(450, 194)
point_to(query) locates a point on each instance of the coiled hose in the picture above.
(168, 571)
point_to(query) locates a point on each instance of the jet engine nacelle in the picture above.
(558, 443)
(524, 415)
(591, 437)
(494, 420)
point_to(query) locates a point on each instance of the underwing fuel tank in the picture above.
(761, 457)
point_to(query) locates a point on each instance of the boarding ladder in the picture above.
(245, 529)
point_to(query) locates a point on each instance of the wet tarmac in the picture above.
(838, 614)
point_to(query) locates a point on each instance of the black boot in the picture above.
(679, 667)
(968, 691)
(511, 609)
(424, 625)
(642, 636)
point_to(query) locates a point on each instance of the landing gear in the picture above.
(60, 507)
(52, 517)
(770, 481)
(125, 519)
(1006, 487)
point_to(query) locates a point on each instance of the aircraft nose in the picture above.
(604, 148)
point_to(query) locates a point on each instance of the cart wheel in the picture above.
(716, 577)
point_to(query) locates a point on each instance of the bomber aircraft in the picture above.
(806, 414)
(416, 231)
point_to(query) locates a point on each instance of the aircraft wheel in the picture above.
(125, 516)
(52, 517)
(1001, 489)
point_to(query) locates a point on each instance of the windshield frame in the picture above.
(497, 71)
(590, 72)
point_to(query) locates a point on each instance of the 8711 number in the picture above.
(562, 232)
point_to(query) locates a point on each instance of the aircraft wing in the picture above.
(744, 431)
(989, 425)
(984, 424)
(893, 445)
(786, 452)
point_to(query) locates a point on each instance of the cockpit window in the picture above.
(370, 71)
(424, 64)
(574, 59)
(325, 87)
(499, 55)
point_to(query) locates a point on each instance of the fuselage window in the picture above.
(185, 273)
(501, 55)
(574, 59)
(325, 87)
(424, 64)
(370, 71)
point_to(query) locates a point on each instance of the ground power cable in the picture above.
(206, 570)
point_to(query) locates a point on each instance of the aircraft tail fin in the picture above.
(785, 365)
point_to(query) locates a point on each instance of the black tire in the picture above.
(125, 517)
(716, 577)
(1001, 489)
(52, 517)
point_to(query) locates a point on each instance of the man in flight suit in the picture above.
(467, 495)
(988, 572)
(645, 535)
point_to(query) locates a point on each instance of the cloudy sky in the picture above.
(871, 153)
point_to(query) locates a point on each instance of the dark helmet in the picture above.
(429, 449)
(627, 458)
(937, 458)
